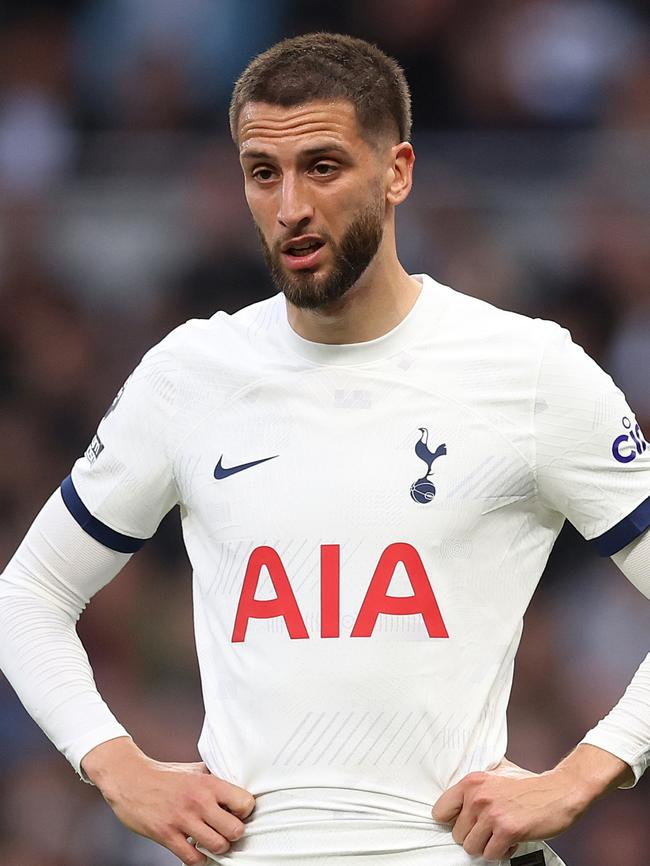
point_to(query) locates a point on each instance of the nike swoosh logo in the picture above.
(223, 472)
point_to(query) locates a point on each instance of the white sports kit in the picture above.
(366, 524)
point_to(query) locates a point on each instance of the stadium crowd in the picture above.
(122, 215)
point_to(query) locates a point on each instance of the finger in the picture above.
(464, 824)
(238, 800)
(204, 835)
(477, 838)
(498, 848)
(507, 768)
(184, 767)
(447, 807)
(186, 852)
(221, 821)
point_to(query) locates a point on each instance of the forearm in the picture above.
(625, 731)
(43, 590)
(106, 759)
(592, 773)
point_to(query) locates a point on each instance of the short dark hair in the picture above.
(318, 66)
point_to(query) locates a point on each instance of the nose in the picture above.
(295, 208)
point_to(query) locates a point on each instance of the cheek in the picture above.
(341, 209)
(361, 209)
(261, 208)
(252, 200)
(363, 193)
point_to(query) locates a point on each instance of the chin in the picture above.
(303, 289)
(306, 301)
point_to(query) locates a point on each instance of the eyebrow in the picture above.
(309, 151)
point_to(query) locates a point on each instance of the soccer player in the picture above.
(372, 469)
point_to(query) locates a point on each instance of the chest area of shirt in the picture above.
(403, 459)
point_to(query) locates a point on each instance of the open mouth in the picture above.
(303, 254)
(304, 249)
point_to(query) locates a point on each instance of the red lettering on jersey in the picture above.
(330, 570)
(377, 601)
(284, 604)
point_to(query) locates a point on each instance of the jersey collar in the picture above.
(418, 322)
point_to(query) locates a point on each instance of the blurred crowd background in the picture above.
(122, 214)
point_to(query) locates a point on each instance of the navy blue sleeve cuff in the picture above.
(625, 531)
(95, 528)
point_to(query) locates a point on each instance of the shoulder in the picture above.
(206, 360)
(207, 341)
(482, 321)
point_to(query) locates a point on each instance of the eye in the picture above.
(323, 169)
(263, 174)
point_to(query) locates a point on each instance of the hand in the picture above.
(168, 802)
(492, 812)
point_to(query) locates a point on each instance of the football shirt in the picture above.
(366, 525)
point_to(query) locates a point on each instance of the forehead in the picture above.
(263, 124)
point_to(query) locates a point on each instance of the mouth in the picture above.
(302, 252)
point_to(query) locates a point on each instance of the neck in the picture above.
(374, 305)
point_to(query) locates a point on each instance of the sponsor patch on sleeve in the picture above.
(629, 444)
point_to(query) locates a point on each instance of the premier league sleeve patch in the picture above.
(94, 450)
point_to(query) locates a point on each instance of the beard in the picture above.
(358, 247)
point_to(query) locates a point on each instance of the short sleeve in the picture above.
(592, 458)
(122, 487)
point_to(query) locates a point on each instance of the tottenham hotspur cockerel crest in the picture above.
(423, 489)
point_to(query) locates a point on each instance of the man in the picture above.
(372, 470)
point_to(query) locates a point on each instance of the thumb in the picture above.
(448, 806)
(192, 767)
(508, 768)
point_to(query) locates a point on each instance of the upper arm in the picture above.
(59, 563)
(593, 462)
(122, 487)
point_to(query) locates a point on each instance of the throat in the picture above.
(358, 316)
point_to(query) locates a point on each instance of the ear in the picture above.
(400, 173)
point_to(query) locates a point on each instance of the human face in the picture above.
(312, 181)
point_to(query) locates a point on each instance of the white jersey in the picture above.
(366, 524)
